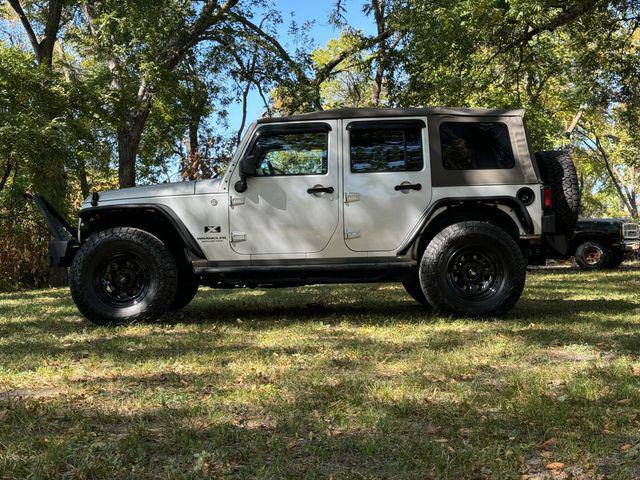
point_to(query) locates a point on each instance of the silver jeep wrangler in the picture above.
(450, 202)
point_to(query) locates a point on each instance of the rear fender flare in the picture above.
(476, 203)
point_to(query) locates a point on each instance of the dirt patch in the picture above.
(31, 393)
(567, 355)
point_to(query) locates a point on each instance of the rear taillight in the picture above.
(546, 197)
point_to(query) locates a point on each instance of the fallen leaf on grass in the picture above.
(555, 466)
(552, 442)
(624, 401)
(626, 447)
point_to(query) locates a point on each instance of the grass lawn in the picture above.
(327, 381)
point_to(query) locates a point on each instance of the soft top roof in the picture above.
(340, 113)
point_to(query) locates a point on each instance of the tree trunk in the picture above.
(81, 170)
(127, 152)
(129, 136)
(5, 174)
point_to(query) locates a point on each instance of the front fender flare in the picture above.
(166, 213)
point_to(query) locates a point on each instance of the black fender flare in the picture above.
(515, 204)
(166, 213)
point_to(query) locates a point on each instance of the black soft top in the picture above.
(340, 113)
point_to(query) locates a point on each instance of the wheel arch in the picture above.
(582, 237)
(447, 212)
(158, 220)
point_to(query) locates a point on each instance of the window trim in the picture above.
(291, 130)
(401, 124)
(369, 124)
(522, 174)
(513, 153)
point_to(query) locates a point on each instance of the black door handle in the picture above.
(320, 190)
(408, 186)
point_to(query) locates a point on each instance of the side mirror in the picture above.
(247, 168)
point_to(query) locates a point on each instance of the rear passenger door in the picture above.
(386, 181)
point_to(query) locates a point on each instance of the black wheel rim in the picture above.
(121, 280)
(474, 273)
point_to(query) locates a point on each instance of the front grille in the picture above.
(630, 230)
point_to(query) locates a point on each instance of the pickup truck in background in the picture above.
(603, 243)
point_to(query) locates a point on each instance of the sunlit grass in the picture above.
(327, 381)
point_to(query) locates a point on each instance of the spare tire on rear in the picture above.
(559, 173)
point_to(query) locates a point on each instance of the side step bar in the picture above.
(303, 274)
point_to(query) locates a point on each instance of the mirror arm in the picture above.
(241, 185)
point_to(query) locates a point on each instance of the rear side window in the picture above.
(380, 149)
(475, 146)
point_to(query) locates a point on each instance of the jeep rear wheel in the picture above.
(473, 269)
(592, 255)
(123, 275)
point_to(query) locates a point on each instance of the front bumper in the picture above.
(629, 246)
(61, 252)
(63, 244)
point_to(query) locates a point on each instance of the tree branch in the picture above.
(210, 14)
(274, 46)
(323, 72)
(35, 44)
(567, 15)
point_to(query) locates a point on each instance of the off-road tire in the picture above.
(587, 252)
(413, 287)
(558, 172)
(491, 245)
(107, 248)
(615, 259)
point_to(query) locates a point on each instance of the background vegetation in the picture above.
(104, 93)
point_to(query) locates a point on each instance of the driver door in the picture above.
(291, 204)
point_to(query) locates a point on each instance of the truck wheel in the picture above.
(616, 257)
(472, 269)
(123, 275)
(413, 287)
(558, 172)
(592, 255)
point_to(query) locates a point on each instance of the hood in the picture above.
(155, 191)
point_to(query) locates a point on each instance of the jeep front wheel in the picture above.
(472, 269)
(123, 275)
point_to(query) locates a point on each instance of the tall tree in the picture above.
(169, 36)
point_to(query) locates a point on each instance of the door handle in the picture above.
(408, 186)
(313, 190)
